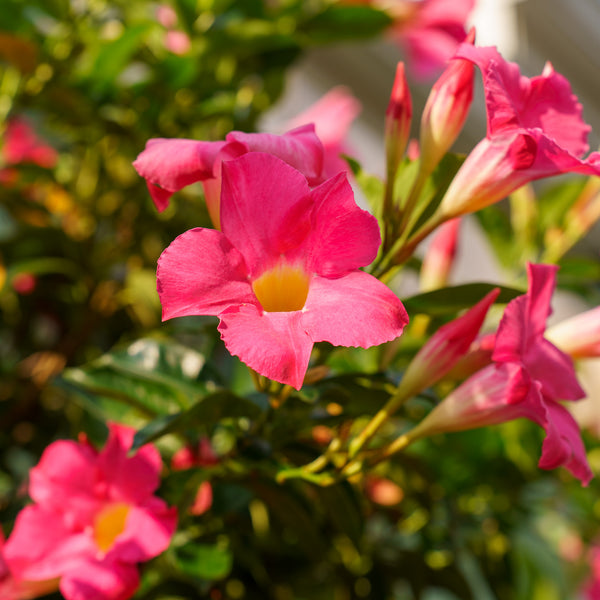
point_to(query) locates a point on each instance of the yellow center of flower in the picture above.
(110, 523)
(283, 288)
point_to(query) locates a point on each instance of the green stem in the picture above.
(363, 438)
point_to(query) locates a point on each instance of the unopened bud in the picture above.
(446, 109)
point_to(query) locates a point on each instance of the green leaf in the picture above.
(555, 201)
(371, 186)
(204, 561)
(338, 23)
(208, 411)
(497, 227)
(112, 58)
(433, 189)
(156, 376)
(452, 299)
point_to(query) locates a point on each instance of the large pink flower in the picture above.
(168, 165)
(94, 517)
(535, 130)
(528, 378)
(284, 271)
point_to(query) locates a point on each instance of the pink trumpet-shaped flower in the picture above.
(332, 116)
(94, 517)
(535, 130)
(528, 378)
(284, 271)
(169, 165)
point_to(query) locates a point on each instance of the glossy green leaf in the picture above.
(338, 23)
(204, 561)
(452, 299)
(208, 411)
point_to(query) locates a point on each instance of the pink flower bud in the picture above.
(445, 347)
(446, 109)
(440, 255)
(398, 117)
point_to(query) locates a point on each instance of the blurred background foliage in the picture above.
(457, 517)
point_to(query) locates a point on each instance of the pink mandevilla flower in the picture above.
(527, 379)
(94, 517)
(535, 130)
(169, 165)
(284, 271)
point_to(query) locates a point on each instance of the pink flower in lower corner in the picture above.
(169, 165)
(284, 271)
(94, 518)
(535, 129)
(528, 378)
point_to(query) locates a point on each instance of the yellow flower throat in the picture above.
(284, 288)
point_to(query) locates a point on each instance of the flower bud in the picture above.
(440, 255)
(398, 117)
(446, 109)
(445, 348)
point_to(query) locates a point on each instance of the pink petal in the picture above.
(100, 580)
(299, 148)
(542, 282)
(343, 237)
(552, 159)
(563, 445)
(201, 273)
(554, 370)
(129, 479)
(66, 477)
(148, 532)
(273, 344)
(353, 310)
(520, 337)
(265, 209)
(172, 164)
(545, 102)
(56, 550)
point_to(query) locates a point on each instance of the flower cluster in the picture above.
(94, 517)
